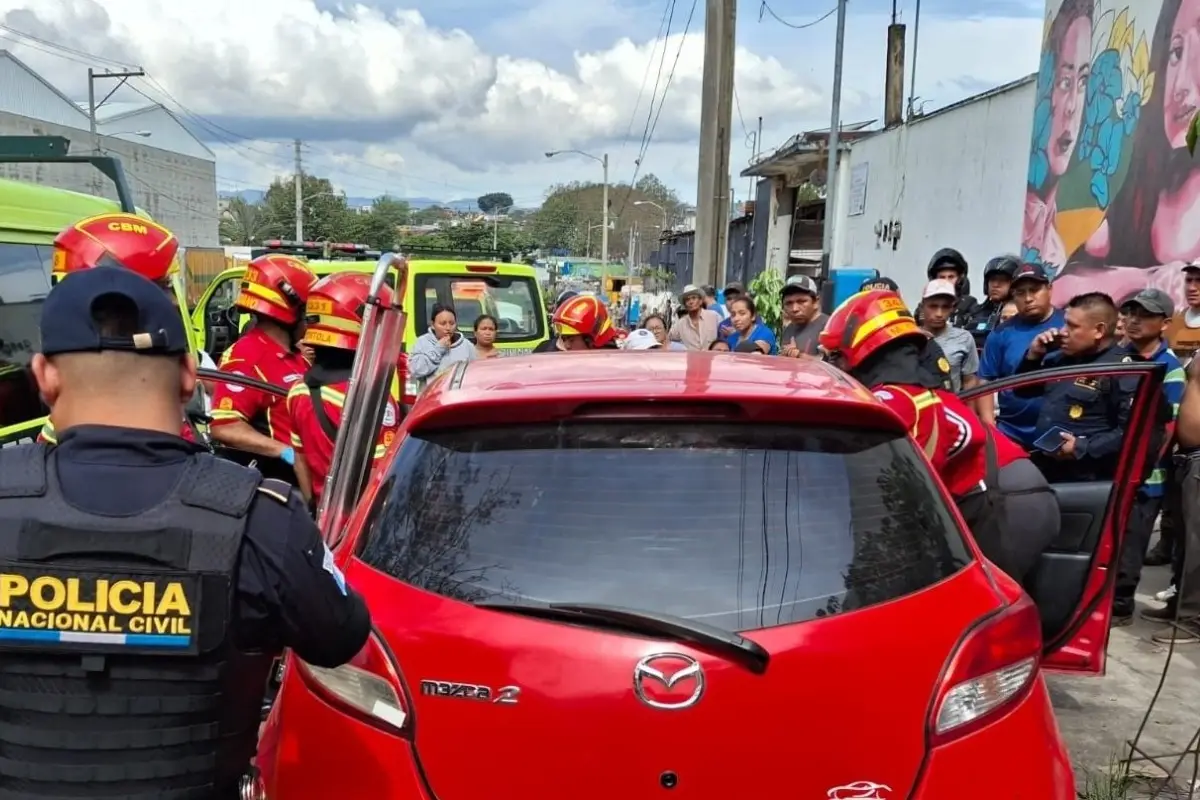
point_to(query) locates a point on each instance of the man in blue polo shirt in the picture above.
(1006, 347)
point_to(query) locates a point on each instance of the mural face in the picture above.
(1112, 197)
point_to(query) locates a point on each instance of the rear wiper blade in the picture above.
(736, 648)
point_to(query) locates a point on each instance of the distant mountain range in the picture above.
(462, 204)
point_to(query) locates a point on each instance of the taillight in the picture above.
(368, 687)
(411, 388)
(992, 669)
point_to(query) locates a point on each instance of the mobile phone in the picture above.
(1054, 344)
(1051, 441)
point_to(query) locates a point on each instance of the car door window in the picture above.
(24, 284)
(1068, 582)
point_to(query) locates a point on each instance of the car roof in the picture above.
(614, 375)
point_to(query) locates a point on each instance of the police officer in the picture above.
(948, 264)
(145, 586)
(997, 285)
(1089, 414)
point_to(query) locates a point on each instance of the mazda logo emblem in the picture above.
(669, 681)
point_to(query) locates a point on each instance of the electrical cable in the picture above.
(766, 8)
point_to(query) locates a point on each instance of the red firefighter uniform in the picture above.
(951, 434)
(333, 327)
(120, 240)
(275, 287)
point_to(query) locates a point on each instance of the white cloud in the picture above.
(387, 102)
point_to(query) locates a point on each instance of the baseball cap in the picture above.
(1192, 265)
(939, 289)
(879, 284)
(68, 325)
(691, 289)
(800, 284)
(1031, 272)
(735, 286)
(1156, 301)
(640, 339)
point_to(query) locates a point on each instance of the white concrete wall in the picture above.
(177, 190)
(953, 179)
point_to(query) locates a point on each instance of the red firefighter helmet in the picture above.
(334, 313)
(864, 323)
(276, 286)
(584, 315)
(117, 240)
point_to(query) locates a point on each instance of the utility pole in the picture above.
(716, 114)
(299, 195)
(93, 106)
(604, 232)
(835, 125)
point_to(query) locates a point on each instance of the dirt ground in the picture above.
(1098, 715)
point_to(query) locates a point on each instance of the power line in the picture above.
(766, 8)
(657, 80)
(738, 103)
(669, 8)
(662, 101)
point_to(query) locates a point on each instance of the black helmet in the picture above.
(947, 257)
(564, 296)
(1001, 265)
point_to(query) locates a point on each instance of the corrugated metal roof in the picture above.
(27, 94)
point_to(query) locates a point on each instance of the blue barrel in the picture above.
(846, 281)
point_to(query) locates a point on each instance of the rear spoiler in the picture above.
(53, 150)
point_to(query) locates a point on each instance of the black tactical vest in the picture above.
(119, 676)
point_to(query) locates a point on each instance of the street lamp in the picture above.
(604, 200)
(656, 205)
(496, 225)
(589, 235)
(143, 134)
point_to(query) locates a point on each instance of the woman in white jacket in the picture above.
(439, 348)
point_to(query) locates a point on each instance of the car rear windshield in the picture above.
(741, 527)
(24, 284)
(514, 301)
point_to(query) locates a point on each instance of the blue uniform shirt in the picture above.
(1002, 355)
(289, 593)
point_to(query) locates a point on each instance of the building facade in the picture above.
(172, 174)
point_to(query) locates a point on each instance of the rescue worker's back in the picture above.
(145, 586)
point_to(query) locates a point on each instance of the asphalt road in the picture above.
(1098, 716)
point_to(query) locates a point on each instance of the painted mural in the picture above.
(1113, 198)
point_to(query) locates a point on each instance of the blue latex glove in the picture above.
(289, 456)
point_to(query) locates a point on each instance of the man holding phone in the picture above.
(1081, 422)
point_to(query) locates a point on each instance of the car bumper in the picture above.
(310, 749)
(1020, 756)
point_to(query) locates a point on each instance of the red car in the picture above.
(606, 575)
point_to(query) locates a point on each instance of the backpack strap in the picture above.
(327, 426)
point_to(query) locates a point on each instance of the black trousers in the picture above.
(1133, 551)
(1189, 568)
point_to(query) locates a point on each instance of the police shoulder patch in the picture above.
(943, 364)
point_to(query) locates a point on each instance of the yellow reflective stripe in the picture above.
(227, 415)
(335, 323)
(48, 433)
(380, 451)
(296, 443)
(874, 324)
(1157, 475)
(270, 295)
(332, 396)
(922, 401)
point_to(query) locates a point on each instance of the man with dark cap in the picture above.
(145, 580)
(802, 303)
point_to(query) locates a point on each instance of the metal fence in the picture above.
(676, 253)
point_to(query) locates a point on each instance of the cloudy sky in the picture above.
(454, 98)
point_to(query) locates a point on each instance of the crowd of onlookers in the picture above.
(1074, 430)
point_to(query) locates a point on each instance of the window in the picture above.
(740, 527)
(24, 283)
(514, 302)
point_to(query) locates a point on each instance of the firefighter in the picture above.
(582, 323)
(333, 325)
(551, 344)
(1005, 500)
(144, 247)
(147, 585)
(255, 424)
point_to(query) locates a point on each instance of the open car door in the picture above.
(1074, 582)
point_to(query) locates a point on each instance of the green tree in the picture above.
(243, 224)
(807, 193)
(495, 202)
(430, 215)
(325, 217)
(570, 209)
(478, 236)
(378, 228)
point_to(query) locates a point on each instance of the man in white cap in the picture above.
(697, 329)
(938, 303)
